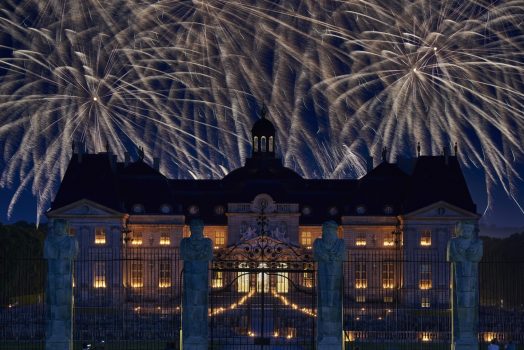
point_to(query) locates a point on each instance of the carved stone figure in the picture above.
(247, 232)
(196, 251)
(329, 253)
(465, 252)
(59, 249)
(280, 232)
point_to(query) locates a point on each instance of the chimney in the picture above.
(81, 148)
(369, 163)
(156, 163)
(126, 158)
(112, 161)
(446, 155)
(385, 154)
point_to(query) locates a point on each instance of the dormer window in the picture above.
(138, 208)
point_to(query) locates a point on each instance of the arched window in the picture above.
(263, 144)
(255, 143)
(270, 143)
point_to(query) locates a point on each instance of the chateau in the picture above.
(404, 211)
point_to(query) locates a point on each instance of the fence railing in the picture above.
(394, 300)
(131, 299)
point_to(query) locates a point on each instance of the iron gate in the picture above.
(262, 297)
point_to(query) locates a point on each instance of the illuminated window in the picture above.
(425, 276)
(99, 278)
(220, 238)
(389, 241)
(217, 279)
(243, 279)
(137, 238)
(137, 274)
(255, 143)
(425, 238)
(165, 239)
(361, 279)
(306, 238)
(282, 282)
(424, 302)
(360, 240)
(388, 299)
(164, 278)
(388, 275)
(308, 279)
(360, 299)
(100, 235)
(263, 144)
(270, 143)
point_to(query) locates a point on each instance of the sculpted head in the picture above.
(465, 229)
(60, 227)
(329, 231)
(196, 226)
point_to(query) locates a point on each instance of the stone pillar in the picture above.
(464, 253)
(59, 250)
(196, 252)
(329, 253)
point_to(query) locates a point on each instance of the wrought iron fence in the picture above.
(501, 301)
(22, 303)
(396, 301)
(262, 305)
(129, 298)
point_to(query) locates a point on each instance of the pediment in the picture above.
(84, 208)
(442, 210)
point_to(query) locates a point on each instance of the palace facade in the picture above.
(404, 211)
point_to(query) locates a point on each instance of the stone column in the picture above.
(464, 253)
(329, 253)
(196, 252)
(59, 249)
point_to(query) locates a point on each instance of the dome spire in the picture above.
(263, 136)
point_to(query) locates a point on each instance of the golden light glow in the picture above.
(361, 284)
(425, 284)
(233, 306)
(137, 284)
(489, 336)
(137, 241)
(164, 284)
(425, 336)
(286, 302)
(100, 235)
(165, 240)
(360, 242)
(425, 239)
(218, 280)
(99, 282)
(388, 242)
(349, 336)
(306, 239)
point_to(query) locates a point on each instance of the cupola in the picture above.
(263, 137)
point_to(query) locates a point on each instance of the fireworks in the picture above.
(183, 79)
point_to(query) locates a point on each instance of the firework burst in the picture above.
(183, 79)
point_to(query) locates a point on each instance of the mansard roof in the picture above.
(385, 190)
